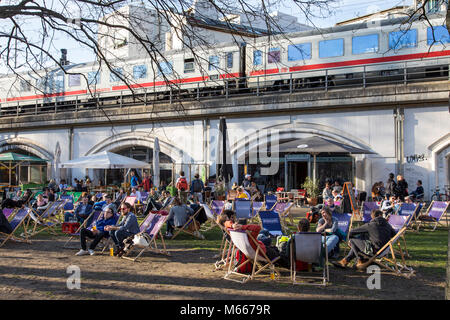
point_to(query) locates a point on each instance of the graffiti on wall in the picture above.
(416, 158)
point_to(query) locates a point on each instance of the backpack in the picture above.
(197, 185)
(182, 184)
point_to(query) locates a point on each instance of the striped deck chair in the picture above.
(224, 251)
(93, 217)
(212, 217)
(398, 222)
(48, 220)
(308, 247)
(69, 206)
(17, 221)
(270, 220)
(151, 226)
(410, 209)
(243, 209)
(9, 212)
(258, 258)
(190, 227)
(284, 210)
(269, 201)
(434, 214)
(217, 206)
(387, 259)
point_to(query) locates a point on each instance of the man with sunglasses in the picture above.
(128, 227)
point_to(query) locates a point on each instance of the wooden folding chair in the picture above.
(17, 221)
(435, 212)
(95, 214)
(258, 258)
(392, 263)
(211, 223)
(309, 247)
(224, 251)
(269, 201)
(243, 209)
(397, 222)
(284, 210)
(151, 226)
(190, 227)
(48, 220)
(270, 220)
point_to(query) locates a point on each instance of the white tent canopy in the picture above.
(105, 160)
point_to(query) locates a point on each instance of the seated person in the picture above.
(326, 193)
(242, 194)
(128, 227)
(105, 203)
(155, 203)
(336, 196)
(17, 195)
(10, 203)
(178, 216)
(5, 227)
(81, 213)
(107, 218)
(136, 193)
(367, 239)
(329, 203)
(329, 224)
(120, 197)
(337, 187)
(40, 204)
(419, 193)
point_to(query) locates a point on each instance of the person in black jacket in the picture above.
(401, 190)
(390, 186)
(367, 239)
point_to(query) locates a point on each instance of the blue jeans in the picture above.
(332, 241)
(118, 236)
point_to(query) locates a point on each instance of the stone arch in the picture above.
(32, 147)
(136, 138)
(440, 157)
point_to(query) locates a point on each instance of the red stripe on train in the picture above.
(371, 61)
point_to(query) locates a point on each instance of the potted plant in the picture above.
(312, 190)
(219, 190)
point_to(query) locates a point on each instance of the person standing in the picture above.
(146, 183)
(401, 190)
(134, 182)
(128, 227)
(197, 187)
(390, 186)
(182, 187)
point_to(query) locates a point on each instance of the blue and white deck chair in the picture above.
(270, 221)
(256, 208)
(243, 209)
(434, 214)
(270, 200)
(48, 220)
(69, 204)
(17, 221)
(258, 258)
(217, 206)
(411, 210)
(344, 222)
(308, 247)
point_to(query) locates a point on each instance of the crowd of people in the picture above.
(118, 222)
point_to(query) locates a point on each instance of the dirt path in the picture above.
(38, 271)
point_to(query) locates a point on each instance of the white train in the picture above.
(357, 53)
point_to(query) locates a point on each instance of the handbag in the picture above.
(141, 240)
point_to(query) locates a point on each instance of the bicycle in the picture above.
(437, 196)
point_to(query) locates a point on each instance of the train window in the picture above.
(140, 71)
(257, 57)
(365, 44)
(213, 63)
(274, 55)
(165, 68)
(74, 80)
(402, 39)
(189, 65)
(229, 60)
(331, 48)
(93, 77)
(438, 34)
(114, 76)
(299, 52)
